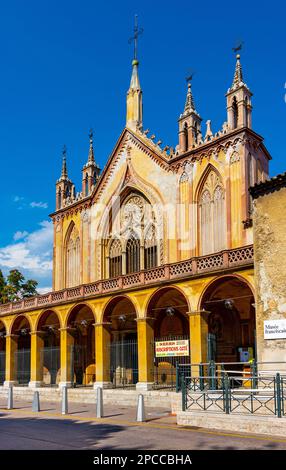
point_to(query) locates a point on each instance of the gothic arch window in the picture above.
(133, 239)
(132, 254)
(86, 185)
(73, 258)
(115, 258)
(212, 215)
(150, 249)
(260, 175)
(234, 113)
(196, 132)
(59, 201)
(251, 181)
(186, 137)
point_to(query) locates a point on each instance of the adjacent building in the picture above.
(270, 276)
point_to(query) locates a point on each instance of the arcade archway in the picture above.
(169, 308)
(81, 327)
(49, 329)
(22, 356)
(231, 320)
(120, 315)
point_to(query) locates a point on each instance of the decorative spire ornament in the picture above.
(64, 175)
(91, 152)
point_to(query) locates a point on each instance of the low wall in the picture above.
(152, 398)
(238, 423)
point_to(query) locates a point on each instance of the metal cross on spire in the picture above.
(137, 32)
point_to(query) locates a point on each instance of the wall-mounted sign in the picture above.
(172, 348)
(275, 329)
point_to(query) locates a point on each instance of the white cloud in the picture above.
(18, 198)
(44, 290)
(20, 235)
(32, 255)
(40, 205)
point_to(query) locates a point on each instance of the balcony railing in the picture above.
(226, 259)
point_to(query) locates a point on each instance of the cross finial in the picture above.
(90, 135)
(137, 32)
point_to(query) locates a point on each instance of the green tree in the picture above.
(2, 287)
(16, 287)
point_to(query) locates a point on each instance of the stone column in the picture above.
(145, 337)
(37, 344)
(102, 354)
(198, 321)
(67, 343)
(11, 366)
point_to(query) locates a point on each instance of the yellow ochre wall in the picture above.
(162, 187)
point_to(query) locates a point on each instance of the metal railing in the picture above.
(225, 394)
(236, 370)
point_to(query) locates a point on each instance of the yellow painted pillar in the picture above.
(37, 344)
(11, 366)
(67, 343)
(145, 337)
(102, 354)
(198, 321)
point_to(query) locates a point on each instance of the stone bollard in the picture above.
(36, 402)
(10, 398)
(99, 403)
(64, 400)
(140, 409)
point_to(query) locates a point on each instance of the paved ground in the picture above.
(22, 429)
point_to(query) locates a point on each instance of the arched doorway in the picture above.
(2, 352)
(81, 325)
(231, 320)
(48, 328)
(120, 313)
(168, 307)
(21, 329)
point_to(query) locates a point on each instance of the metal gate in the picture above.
(123, 363)
(82, 367)
(2, 366)
(211, 352)
(50, 362)
(165, 368)
(23, 366)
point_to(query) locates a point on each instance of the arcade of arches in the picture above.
(114, 342)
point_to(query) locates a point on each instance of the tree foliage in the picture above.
(16, 287)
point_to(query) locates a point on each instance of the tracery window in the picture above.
(212, 215)
(132, 254)
(115, 259)
(134, 241)
(150, 249)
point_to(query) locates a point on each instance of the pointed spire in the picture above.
(91, 152)
(190, 103)
(64, 175)
(134, 82)
(238, 77)
(134, 111)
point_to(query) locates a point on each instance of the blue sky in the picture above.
(65, 67)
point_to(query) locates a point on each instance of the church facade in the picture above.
(153, 255)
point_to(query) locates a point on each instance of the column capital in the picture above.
(68, 329)
(11, 335)
(144, 319)
(39, 332)
(105, 323)
(194, 313)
